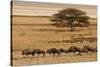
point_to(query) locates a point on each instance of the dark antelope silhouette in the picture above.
(95, 49)
(38, 52)
(27, 52)
(53, 51)
(87, 49)
(62, 50)
(33, 52)
(74, 50)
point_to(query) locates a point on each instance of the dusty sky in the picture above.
(47, 9)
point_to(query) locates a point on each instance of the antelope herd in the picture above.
(54, 51)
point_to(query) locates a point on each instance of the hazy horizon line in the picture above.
(40, 16)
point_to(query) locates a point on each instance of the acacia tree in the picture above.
(71, 17)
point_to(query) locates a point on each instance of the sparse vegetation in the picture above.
(45, 37)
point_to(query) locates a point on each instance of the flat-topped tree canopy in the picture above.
(71, 17)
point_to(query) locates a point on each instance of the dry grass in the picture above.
(35, 35)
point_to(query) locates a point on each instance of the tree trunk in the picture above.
(72, 28)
